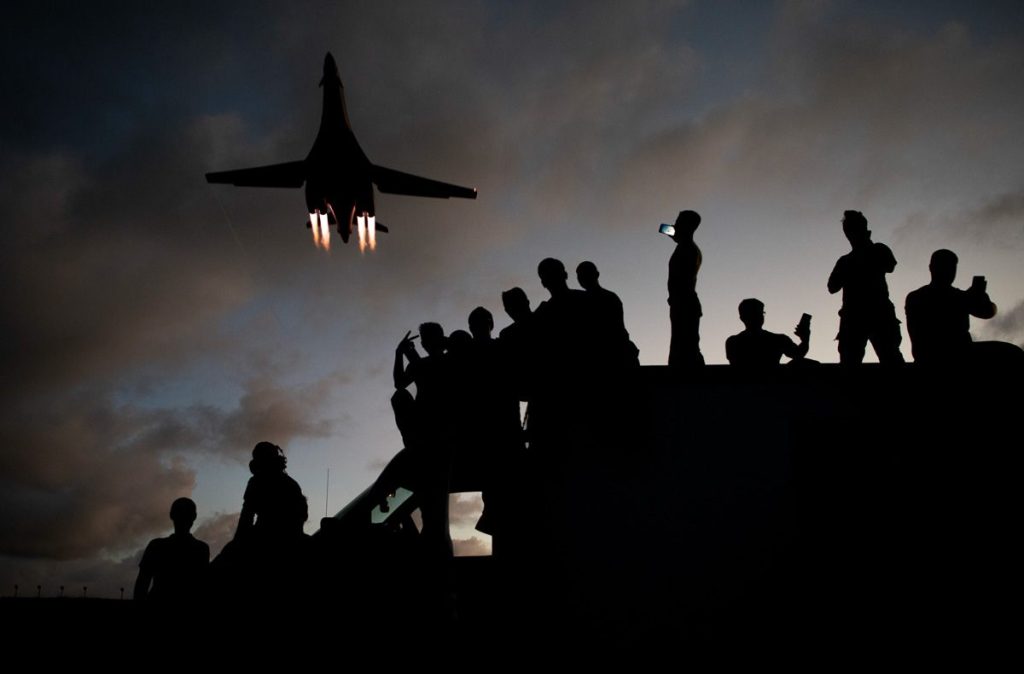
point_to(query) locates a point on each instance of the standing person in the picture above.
(431, 374)
(609, 317)
(684, 306)
(174, 568)
(273, 506)
(938, 314)
(867, 312)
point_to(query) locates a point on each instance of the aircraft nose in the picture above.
(330, 67)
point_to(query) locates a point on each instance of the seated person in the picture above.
(174, 568)
(938, 314)
(273, 506)
(756, 347)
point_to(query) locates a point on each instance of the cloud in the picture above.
(997, 220)
(1007, 325)
(464, 509)
(848, 112)
(103, 577)
(471, 547)
(216, 531)
(86, 474)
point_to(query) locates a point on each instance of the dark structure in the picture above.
(788, 509)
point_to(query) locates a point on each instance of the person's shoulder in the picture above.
(882, 251)
(154, 550)
(782, 340)
(922, 294)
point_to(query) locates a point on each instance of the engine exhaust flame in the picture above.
(314, 226)
(361, 228)
(371, 231)
(325, 232)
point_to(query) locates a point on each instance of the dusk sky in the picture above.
(155, 327)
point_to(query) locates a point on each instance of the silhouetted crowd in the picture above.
(564, 360)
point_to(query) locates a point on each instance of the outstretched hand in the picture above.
(406, 345)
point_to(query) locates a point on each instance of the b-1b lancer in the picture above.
(338, 176)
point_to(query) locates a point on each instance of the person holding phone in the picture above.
(938, 315)
(684, 305)
(867, 313)
(756, 347)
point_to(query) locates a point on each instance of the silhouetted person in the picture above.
(496, 429)
(938, 315)
(867, 312)
(756, 347)
(431, 375)
(175, 566)
(515, 341)
(273, 506)
(565, 347)
(684, 306)
(609, 315)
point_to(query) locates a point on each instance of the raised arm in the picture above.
(796, 351)
(405, 349)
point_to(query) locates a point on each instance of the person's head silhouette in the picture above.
(553, 275)
(481, 323)
(943, 267)
(752, 313)
(183, 514)
(855, 227)
(687, 223)
(267, 458)
(516, 303)
(587, 275)
(432, 338)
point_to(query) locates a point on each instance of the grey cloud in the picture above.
(464, 510)
(471, 547)
(1007, 325)
(847, 112)
(83, 474)
(216, 530)
(997, 220)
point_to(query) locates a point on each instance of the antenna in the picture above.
(327, 494)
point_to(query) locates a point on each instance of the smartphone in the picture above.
(668, 230)
(805, 323)
(978, 282)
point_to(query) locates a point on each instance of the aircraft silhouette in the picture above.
(338, 176)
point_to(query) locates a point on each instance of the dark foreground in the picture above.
(816, 510)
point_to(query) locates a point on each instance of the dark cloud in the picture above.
(995, 221)
(848, 113)
(103, 577)
(85, 474)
